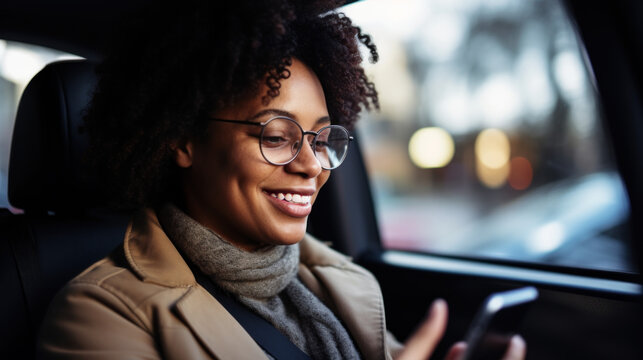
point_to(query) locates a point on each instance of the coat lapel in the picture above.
(153, 257)
(352, 292)
(217, 330)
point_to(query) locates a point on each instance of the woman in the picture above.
(222, 123)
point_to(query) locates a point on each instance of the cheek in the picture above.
(214, 163)
(226, 153)
(240, 167)
(321, 180)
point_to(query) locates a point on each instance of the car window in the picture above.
(19, 62)
(490, 141)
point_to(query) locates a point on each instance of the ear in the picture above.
(183, 153)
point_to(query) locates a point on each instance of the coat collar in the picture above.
(152, 255)
(154, 258)
(349, 290)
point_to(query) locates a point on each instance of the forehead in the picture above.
(301, 97)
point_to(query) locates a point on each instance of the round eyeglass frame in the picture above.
(301, 142)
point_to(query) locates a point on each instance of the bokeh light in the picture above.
(492, 177)
(431, 147)
(498, 101)
(569, 74)
(492, 148)
(492, 151)
(547, 237)
(521, 173)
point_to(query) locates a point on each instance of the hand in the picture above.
(516, 351)
(423, 343)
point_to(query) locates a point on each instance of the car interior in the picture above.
(57, 226)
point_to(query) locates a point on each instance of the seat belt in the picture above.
(264, 333)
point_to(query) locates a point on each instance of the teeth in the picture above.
(295, 198)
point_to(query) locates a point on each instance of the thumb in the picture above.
(425, 339)
(517, 349)
(457, 351)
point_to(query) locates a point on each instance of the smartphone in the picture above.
(496, 322)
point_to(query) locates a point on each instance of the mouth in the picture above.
(291, 203)
(292, 198)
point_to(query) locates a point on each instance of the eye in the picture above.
(321, 144)
(274, 141)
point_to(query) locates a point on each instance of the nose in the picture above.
(306, 162)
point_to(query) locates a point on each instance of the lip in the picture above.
(289, 208)
(301, 191)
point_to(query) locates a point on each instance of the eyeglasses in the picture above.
(281, 140)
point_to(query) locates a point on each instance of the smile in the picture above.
(293, 198)
(294, 204)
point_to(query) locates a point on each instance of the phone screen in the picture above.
(497, 320)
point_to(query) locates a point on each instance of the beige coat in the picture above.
(142, 302)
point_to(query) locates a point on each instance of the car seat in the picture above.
(63, 227)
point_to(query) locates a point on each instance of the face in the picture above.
(230, 188)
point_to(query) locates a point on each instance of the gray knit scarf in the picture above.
(264, 281)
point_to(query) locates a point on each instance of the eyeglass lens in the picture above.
(281, 141)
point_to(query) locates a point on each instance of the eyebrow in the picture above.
(278, 112)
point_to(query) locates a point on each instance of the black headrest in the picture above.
(47, 146)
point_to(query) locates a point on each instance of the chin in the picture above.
(291, 239)
(291, 236)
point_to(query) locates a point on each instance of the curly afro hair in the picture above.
(171, 66)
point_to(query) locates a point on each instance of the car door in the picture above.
(504, 154)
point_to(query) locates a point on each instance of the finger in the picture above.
(456, 351)
(423, 342)
(517, 349)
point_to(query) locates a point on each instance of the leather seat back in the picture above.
(64, 228)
